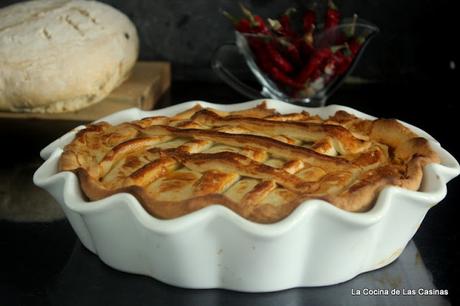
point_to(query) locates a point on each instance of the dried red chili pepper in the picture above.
(264, 61)
(278, 58)
(305, 44)
(276, 74)
(314, 64)
(289, 48)
(285, 22)
(242, 25)
(332, 16)
(343, 63)
(260, 26)
(355, 44)
(257, 46)
(338, 64)
(309, 20)
(292, 51)
(276, 27)
(257, 23)
(252, 24)
(286, 40)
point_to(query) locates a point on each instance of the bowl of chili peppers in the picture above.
(301, 64)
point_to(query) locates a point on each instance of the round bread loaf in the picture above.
(58, 56)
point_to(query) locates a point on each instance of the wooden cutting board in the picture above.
(147, 83)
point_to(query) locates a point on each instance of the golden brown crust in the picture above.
(256, 162)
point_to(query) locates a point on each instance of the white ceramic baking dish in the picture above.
(318, 244)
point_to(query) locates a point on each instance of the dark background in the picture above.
(417, 39)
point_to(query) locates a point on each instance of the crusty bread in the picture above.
(58, 56)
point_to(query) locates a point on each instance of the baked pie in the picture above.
(257, 162)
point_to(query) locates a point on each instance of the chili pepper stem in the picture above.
(274, 24)
(347, 50)
(332, 5)
(309, 20)
(283, 41)
(309, 39)
(353, 25)
(360, 40)
(247, 13)
(334, 49)
(290, 11)
(230, 17)
(332, 18)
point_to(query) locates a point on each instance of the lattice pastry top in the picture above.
(257, 162)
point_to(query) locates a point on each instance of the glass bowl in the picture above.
(319, 87)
